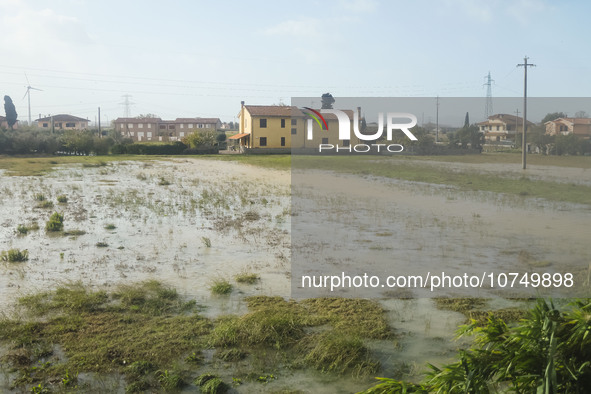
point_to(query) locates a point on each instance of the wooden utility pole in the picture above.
(524, 141)
(99, 122)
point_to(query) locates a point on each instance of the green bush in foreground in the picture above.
(547, 352)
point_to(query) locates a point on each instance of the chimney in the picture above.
(242, 103)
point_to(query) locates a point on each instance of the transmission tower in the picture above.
(488, 109)
(126, 105)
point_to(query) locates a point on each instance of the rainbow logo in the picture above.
(316, 115)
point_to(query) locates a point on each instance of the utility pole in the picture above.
(525, 65)
(516, 119)
(488, 108)
(437, 122)
(99, 122)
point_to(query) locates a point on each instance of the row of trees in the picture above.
(28, 140)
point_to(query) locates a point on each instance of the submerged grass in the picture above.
(326, 334)
(150, 335)
(145, 326)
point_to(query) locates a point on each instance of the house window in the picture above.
(263, 141)
(171, 127)
(140, 126)
(182, 134)
(325, 140)
(282, 123)
(294, 131)
(149, 126)
(294, 122)
(140, 134)
(70, 124)
(45, 124)
(149, 134)
(263, 123)
(59, 125)
(497, 128)
(190, 126)
(282, 140)
(346, 142)
(182, 126)
(162, 127)
(131, 125)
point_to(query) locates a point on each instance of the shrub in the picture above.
(55, 223)
(22, 229)
(15, 255)
(62, 199)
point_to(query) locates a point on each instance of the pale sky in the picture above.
(201, 58)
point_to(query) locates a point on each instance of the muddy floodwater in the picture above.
(188, 222)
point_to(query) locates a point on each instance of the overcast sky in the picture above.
(201, 58)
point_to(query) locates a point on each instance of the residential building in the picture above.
(501, 127)
(563, 126)
(63, 122)
(4, 123)
(284, 127)
(156, 129)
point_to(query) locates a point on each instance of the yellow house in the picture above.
(285, 127)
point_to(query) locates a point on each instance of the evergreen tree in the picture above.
(327, 101)
(10, 110)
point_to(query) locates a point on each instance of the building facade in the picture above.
(156, 129)
(564, 126)
(501, 127)
(285, 127)
(62, 122)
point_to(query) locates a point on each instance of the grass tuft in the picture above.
(15, 255)
(247, 278)
(221, 287)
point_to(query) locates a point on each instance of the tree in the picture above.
(467, 120)
(10, 110)
(146, 116)
(200, 139)
(327, 101)
(581, 114)
(553, 116)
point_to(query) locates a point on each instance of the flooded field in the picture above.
(192, 223)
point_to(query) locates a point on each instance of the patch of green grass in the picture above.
(209, 383)
(418, 169)
(220, 286)
(249, 278)
(206, 242)
(232, 354)
(55, 222)
(22, 166)
(170, 380)
(15, 255)
(462, 305)
(74, 233)
(45, 204)
(101, 244)
(62, 199)
(280, 162)
(40, 197)
(110, 226)
(22, 229)
(339, 352)
(133, 331)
